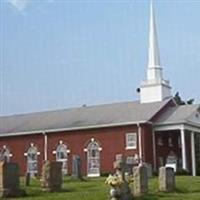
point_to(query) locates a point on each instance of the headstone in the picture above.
(125, 192)
(28, 179)
(166, 179)
(9, 180)
(149, 169)
(76, 167)
(140, 180)
(52, 176)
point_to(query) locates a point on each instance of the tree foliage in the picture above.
(180, 101)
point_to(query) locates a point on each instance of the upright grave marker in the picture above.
(9, 180)
(166, 179)
(76, 167)
(140, 180)
(52, 176)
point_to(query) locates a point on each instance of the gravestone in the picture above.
(149, 169)
(166, 179)
(9, 180)
(76, 167)
(28, 179)
(126, 192)
(140, 176)
(52, 176)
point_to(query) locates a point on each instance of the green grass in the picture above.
(187, 188)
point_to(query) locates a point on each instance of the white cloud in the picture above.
(19, 4)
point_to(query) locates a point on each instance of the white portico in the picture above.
(185, 120)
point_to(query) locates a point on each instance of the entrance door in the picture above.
(93, 159)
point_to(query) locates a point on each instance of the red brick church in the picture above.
(154, 130)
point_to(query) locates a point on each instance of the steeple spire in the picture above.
(154, 55)
(154, 88)
(154, 71)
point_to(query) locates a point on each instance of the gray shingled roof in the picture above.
(180, 114)
(79, 118)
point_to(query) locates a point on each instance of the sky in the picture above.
(57, 54)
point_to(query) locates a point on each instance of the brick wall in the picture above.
(18, 145)
(111, 140)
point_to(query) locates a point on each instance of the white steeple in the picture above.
(154, 70)
(155, 88)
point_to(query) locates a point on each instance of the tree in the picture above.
(180, 101)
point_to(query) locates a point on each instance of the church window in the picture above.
(32, 159)
(5, 154)
(118, 157)
(61, 156)
(93, 158)
(131, 141)
(130, 160)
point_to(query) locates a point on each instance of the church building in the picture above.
(154, 130)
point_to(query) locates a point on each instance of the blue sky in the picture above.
(57, 54)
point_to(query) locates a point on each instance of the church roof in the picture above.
(189, 114)
(106, 115)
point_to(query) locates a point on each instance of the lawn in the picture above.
(187, 188)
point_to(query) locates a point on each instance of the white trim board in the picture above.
(72, 128)
(177, 127)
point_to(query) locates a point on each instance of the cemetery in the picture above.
(95, 188)
(121, 185)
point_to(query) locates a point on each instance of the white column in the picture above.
(184, 162)
(193, 154)
(45, 146)
(140, 142)
(154, 150)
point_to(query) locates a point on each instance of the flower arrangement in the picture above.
(114, 180)
(119, 186)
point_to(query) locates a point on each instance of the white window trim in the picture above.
(128, 143)
(127, 148)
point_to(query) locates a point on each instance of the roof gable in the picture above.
(180, 114)
(195, 117)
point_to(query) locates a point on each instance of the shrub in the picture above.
(183, 172)
(105, 174)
